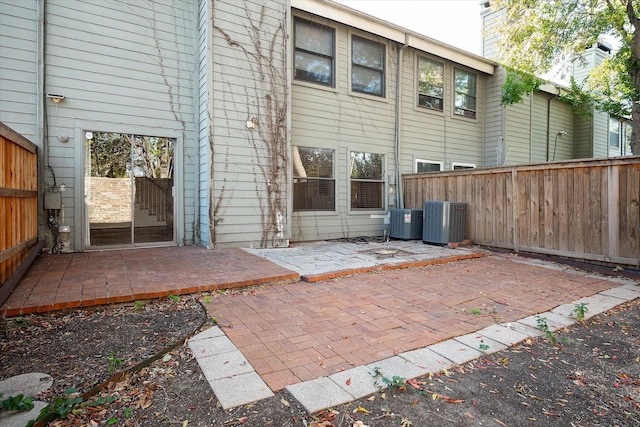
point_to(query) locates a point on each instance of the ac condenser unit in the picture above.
(444, 222)
(406, 224)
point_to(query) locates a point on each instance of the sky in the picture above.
(437, 19)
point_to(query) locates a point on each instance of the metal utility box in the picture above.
(444, 222)
(406, 224)
(52, 200)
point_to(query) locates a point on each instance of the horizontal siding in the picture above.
(18, 66)
(135, 70)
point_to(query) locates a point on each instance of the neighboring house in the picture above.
(249, 123)
(542, 127)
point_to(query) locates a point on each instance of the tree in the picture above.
(537, 36)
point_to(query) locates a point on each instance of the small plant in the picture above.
(544, 327)
(114, 363)
(385, 383)
(128, 412)
(484, 347)
(17, 403)
(475, 311)
(138, 305)
(207, 299)
(174, 298)
(62, 406)
(580, 311)
(214, 319)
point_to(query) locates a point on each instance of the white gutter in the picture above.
(399, 196)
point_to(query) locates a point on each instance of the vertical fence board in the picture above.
(18, 200)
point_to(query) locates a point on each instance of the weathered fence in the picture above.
(583, 209)
(18, 203)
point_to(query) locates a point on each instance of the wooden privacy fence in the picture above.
(18, 204)
(583, 209)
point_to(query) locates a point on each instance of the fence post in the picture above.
(516, 200)
(613, 214)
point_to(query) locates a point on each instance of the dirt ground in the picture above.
(586, 375)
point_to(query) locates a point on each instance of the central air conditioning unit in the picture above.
(444, 222)
(406, 224)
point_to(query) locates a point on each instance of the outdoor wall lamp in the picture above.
(555, 144)
(55, 98)
(252, 122)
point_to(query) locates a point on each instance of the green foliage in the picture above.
(17, 403)
(114, 363)
(475, 311)
(63, 406)
(383, 382)
(580, 311)
(207, 299)
(517, 85)
(484, 348)
(544, 327)
(174, 298)
(579, 98)
(139, 305)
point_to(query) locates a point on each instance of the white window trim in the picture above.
(466, 165)
(416, 161)
(453, 93)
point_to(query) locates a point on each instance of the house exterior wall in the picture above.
(125, 66)
(336, 118)
(205, 131)
(249, 168)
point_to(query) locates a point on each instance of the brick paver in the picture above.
(294, 332)
(55, 282)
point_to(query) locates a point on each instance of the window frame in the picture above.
(382, 72)
(317, 179)
(462, 166)
(465, 111)
(420, 58)
(382, 181)
(332, 77)
(618, 133)
(432, 162)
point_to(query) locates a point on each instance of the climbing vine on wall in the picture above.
(267, 105)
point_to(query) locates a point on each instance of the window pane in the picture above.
(367, 195)
(465, 98)
(316, 162)
(430, 84)
(314, 38)
(366, 166)
(428, 167)
(367, 53)
(368, 81)
(313, 56)
(313, 194)
(614, 132)
(313, 68)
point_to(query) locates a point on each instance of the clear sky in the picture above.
(456, 22)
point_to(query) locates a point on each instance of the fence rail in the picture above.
(18, 202)
(583, 209)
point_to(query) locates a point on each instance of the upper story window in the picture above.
(313, 181)
(314, 52)
(367, 66)
(465, 99)
(430, 84)
(614, 132)
(367, 180)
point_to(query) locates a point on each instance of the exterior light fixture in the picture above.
(55, 98)
(252, 122)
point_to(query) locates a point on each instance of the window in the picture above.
(314, 47)
(614, 132)
(627, 138)
(313, 182)
(459, 166)
(367, 66)
(367, 181)
(465, 99)
(430, 84)
(427, 166)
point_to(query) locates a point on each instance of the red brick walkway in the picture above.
(55, 282)
(299, 331)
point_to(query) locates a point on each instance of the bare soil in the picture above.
(585, 375)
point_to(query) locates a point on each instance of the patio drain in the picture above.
(385, 253)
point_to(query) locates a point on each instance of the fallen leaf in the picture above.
(361, 410)
(500, 422)
(348, 382)
(469, 415)
(285, 402)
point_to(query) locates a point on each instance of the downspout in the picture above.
(41, 10)
(549, 125)
(399, 195)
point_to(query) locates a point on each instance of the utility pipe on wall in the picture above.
(399, 195)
